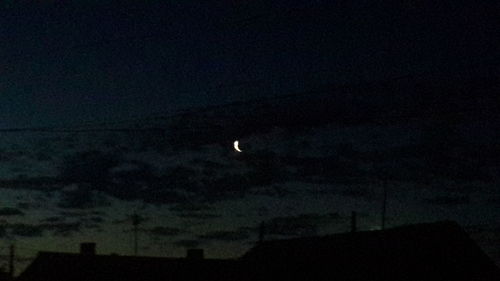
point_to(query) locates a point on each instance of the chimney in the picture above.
(195, 254)
(353, 222)
(87, 249)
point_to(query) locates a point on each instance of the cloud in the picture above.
(164, 231)
(46, 184)
(445, 200)
(191, 207)
(126, 180)
(78, 221)
(271, 191)
(300, 225)
(494, 200)
(225, 236)
(37, 230)
(187, 243)
(330, 169)
(202, 181)
(11, 212)
(209, 164)
(82, 197)
(92, 222)
(53, 219)
(198, 215)
(92, 167)
(361, 192)
(62, 229)
(29, 205)
(81, 213)
(26, 230)
(96, 219)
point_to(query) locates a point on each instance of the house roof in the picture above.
(433, 251)
(75, 267)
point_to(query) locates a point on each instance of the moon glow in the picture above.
(236, 145)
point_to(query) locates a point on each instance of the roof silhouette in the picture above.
(432, 251)
(67, 266)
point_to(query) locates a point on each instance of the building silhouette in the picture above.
(433, 251)
(87, 266)
(4, 276)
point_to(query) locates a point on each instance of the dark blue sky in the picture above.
(63, 62)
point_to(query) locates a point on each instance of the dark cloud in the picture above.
(271, 191)
(225, 236)
(82, 197)
(446, 200)
(204, 181)
(96, 219)
(164, 231)
(160, 194)
(10, 156)
(46, 184)
(24, 205)
(266, 166)
(494, 200)
(7, 211)
(327, 170)
(91, 167)
(209, 168)
(56, 228)
(197, 215)
(227, 186)
(43, 156)
(129, 219)
(80, 220)
(53, 219)
(446, 153)
(62, 229)
(28, 205)
(300, 225)
(187, 243)
(191, 207)
(362, 192)
(97, 227)
(81, 213)
(125, 180)
(110, 174)
(92, 222)
(269, 168)
(132, 180)
(26, 230)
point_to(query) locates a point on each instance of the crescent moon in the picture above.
(236, 145)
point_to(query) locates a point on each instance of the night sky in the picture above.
(110, 108)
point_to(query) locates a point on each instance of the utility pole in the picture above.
(353, 222)
(12, 253)
(136, 220)
(384, 203)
